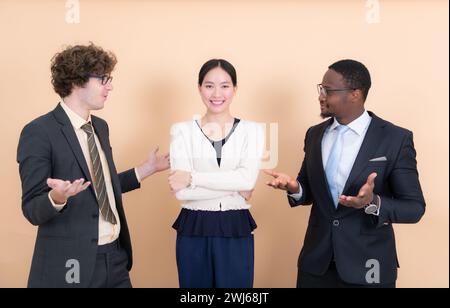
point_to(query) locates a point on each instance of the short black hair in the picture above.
(355, 74)
(213, 63)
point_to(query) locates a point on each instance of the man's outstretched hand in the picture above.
(154, 163)
(364, 197)
(282, 181)
(63, 190)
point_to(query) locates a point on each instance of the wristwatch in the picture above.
(373, 206)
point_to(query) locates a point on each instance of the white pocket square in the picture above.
(382, 158)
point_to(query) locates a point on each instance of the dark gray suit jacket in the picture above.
(49, 148)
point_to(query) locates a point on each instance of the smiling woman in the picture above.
(215, 164)
(217, 84)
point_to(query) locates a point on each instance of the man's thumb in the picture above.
(371, 179)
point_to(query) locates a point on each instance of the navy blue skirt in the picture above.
(232, 223)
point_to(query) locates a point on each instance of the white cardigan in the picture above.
(215, 188)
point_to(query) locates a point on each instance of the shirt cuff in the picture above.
(297, 196)
(57, 207)
(137, 175)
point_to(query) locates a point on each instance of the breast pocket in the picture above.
(381, 163)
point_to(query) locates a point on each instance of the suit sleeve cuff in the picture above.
(297, 196)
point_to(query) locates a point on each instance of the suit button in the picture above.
(95, 216)
(336, 223)
(94, 240)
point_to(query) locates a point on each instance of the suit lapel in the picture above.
(102, 136)
(316, 153)
(368, 148)
(72, 140)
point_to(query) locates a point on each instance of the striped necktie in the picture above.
(97, 176)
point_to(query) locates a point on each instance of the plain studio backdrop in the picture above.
(281, 49)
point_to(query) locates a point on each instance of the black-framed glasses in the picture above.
(105, 79)
(324, 91)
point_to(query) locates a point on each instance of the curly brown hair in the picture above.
(73, 65)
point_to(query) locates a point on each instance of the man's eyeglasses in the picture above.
(324, 91)
(105, 79)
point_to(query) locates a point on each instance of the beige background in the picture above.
(281, 50)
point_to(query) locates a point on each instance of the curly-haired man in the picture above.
(70, 186)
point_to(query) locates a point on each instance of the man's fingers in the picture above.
(365, 191)
(281, 185)
(58, 185)
(85, 185)
(277, 184)
(270, 183)
(67, 188)
(66, 184)
(75, 187)
(371, 179)
(51, 183)
(347, 201)
(269, 172)
(79, 185)
(351, 201)
(71, 188)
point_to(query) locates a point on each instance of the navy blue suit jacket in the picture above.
(349, 235)
(49, 148)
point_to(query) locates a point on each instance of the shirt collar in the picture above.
(74, 118)
(359, 125)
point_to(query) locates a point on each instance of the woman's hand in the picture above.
(246, 194)
(179, 180)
